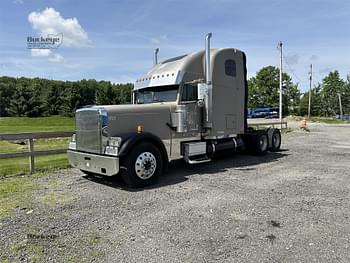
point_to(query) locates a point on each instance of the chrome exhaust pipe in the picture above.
(155, 59)
(207, 59)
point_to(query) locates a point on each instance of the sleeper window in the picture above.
(230, 68)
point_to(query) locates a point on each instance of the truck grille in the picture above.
(88, 130)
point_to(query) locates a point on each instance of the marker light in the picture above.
(139, 129)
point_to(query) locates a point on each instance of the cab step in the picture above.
(202, 159)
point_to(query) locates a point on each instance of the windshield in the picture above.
(157, 94)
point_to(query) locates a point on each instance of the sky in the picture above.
(114, 40)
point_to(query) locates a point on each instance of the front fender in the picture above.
(129, 141)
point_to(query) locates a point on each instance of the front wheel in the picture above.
(142, 166)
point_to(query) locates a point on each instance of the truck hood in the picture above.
(153, 117)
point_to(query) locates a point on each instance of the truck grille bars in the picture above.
(88, 130)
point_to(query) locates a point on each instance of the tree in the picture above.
(316, 102)
(332, 85)
(263, 90)
(25, 101)
(39, 97)
(105, 94)
(7, 87)
(345, 96)
(53, 97)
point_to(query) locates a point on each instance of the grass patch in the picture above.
(39, 144)
(35, 252)
(14, 192)
(20, 165)
(39, 124)
(53, 199)
(16, 166)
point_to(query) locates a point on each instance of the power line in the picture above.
(292, 71)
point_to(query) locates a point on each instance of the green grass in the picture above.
(20, 165)
(39, 144)
(14, 191)
(16, 166)
(40, 124)
(327, 120)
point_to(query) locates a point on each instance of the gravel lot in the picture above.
(291, 206)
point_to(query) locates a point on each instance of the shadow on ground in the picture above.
(179, 171)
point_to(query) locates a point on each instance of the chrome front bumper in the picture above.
(99, 164)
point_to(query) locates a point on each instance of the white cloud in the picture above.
(55, 58)
(18, 2)
(158, 40)
(46, 53)
(43, 53)
(49, 21)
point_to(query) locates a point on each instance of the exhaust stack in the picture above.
(155, 59)
(207, 59)
(205, 92)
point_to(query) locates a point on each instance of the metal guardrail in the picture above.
(30, 136)
(273, 124)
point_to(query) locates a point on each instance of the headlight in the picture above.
(115, 141)
(110, 150)
(113, 145)
(72, 143)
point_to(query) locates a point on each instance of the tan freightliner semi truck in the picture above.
(192, 106)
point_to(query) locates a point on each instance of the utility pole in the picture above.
(340, 106)
(310, 78)
(280, 108)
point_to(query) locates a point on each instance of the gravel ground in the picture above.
(290, 206)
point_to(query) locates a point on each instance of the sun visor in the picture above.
(161, 79)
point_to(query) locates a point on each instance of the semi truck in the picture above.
(192, 106)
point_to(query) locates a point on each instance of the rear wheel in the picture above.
(256, 142)
(262, 143)
(142, 166)
(275, 143)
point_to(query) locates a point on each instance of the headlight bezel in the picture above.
(73, 143)
(113, 145)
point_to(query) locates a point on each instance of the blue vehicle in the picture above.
(267, 113)
(343, 117)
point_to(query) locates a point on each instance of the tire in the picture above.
(142, 166)
(275, 140)
(261, 143)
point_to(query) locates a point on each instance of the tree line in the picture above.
(42, 97)
(264, 92)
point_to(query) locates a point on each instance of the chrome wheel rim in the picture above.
(145, 165)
